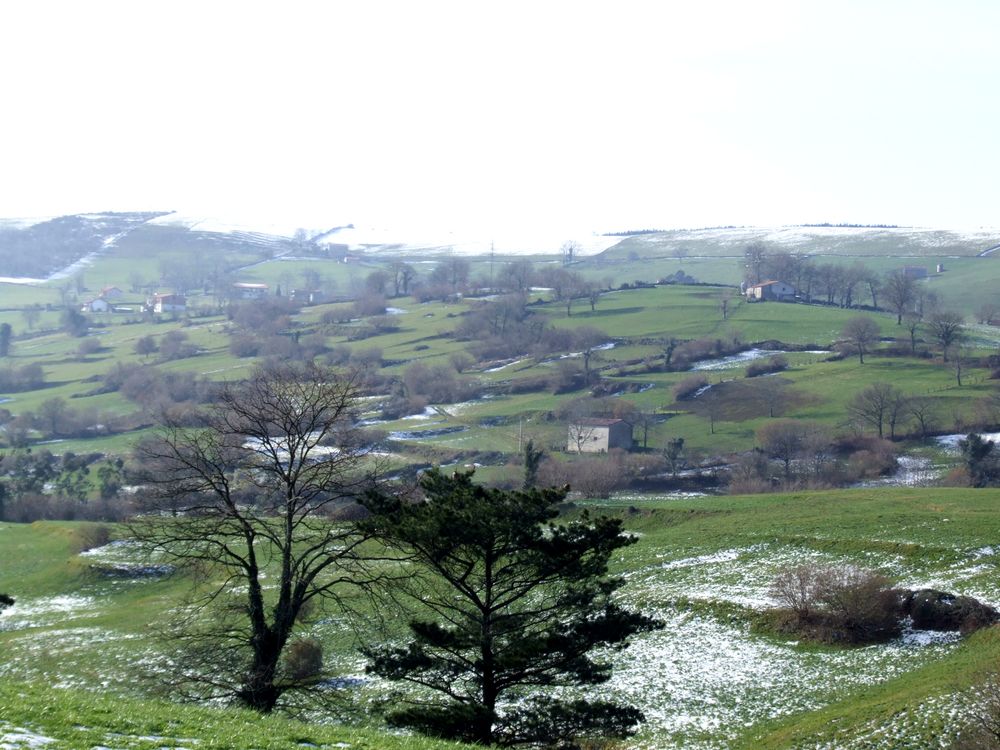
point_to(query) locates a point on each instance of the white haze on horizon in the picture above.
(551, 121)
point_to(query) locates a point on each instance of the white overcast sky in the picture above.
(609, 115)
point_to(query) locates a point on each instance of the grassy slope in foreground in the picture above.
(55, 719)
(711, 550)
(915, 535)
(914, 711)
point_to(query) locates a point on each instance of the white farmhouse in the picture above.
(164, 303)
(246, 290)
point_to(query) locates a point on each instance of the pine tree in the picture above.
(532, 460)
(978, 456)
(504, 602)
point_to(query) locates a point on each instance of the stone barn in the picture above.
(598, 435)
(777, 291)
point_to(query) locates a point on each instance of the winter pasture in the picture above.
(85, 624)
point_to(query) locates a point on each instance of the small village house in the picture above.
(598, 435)
(111, 293)
(247, 290)
(307, 296)
(165, 303)
(96, 305)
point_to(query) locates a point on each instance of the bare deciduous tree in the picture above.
(726, 300)
(754, 256)
(986, 313)
(247, 497)
(402, 276)
(946, 327)
(878, 405)
(861, 334)
(516, 276)
(911, 322)
(796, 588)
(674, 454)
(31, 314)
(785, 439)
(923, 411)
(569, 251)
(900, 293)
(581, 432)
(770, 393)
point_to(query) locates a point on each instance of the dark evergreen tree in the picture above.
(504, 603)
(532, 459)
(74, 322)
(979, 459)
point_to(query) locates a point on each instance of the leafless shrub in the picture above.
(304, 659)
(796, 589)
(766, 366)
(593, 476)
(749, 475)
(837, 604)
(92, 536)
(859, 599)
(877, 459)
(689, 386)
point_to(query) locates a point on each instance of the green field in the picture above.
(634, 321)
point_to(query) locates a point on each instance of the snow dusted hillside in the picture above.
(824, 240)
(96, 234)
(33, 251)
(510, 241)
(397, 239)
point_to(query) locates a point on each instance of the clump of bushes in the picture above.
(767, 365)
(837, 604)
(35, 506)
(687, 388)
(867, 456)
(930, 609)
(24, 378)
(91, 536)
(849, 605)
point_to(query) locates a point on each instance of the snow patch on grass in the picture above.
(19, 738)
(950, 442)
(727, 555)
(702, 682)
(46, 611)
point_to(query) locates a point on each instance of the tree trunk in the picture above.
(259, 691)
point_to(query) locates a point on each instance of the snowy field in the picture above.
(792, 236)
(701, 681)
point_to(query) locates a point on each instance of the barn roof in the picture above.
(598, 422)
